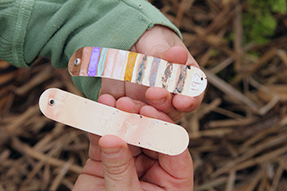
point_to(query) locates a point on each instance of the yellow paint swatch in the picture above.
(130, 66)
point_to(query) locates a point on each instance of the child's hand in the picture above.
(163, 43)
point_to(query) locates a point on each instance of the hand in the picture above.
(163, 43)
(113, 165)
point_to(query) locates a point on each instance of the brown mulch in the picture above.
(238, 135)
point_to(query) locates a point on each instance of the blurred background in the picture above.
(238, 135)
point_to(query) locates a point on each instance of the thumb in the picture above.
(163, 43)
(176, 54)
(118, 164)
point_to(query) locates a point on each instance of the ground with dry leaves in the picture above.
(238, 135)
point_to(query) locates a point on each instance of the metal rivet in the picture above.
(51, 102)
(77, 61)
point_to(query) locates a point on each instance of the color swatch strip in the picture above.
(137, 68)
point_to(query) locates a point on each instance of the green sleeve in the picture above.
(57, 28)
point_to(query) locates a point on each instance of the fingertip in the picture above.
(94, 150)
(161, 100)
(107, 99)
(156, 92)
(191, 61)
(94, 138)
(176, 54)
(151, 112)
(158, 97)
(185, 103)
(111, 141)
(129, 105)
(180, 166)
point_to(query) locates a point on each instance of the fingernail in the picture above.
(136, 102)
(157, 102)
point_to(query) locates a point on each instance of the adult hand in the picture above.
(163, 43)
(113, 165)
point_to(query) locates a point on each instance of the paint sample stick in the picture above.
(137, 68)
(99, 119)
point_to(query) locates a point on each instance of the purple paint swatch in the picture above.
(94, 59)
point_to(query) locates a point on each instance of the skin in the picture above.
(114, 166)
(163, 43)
